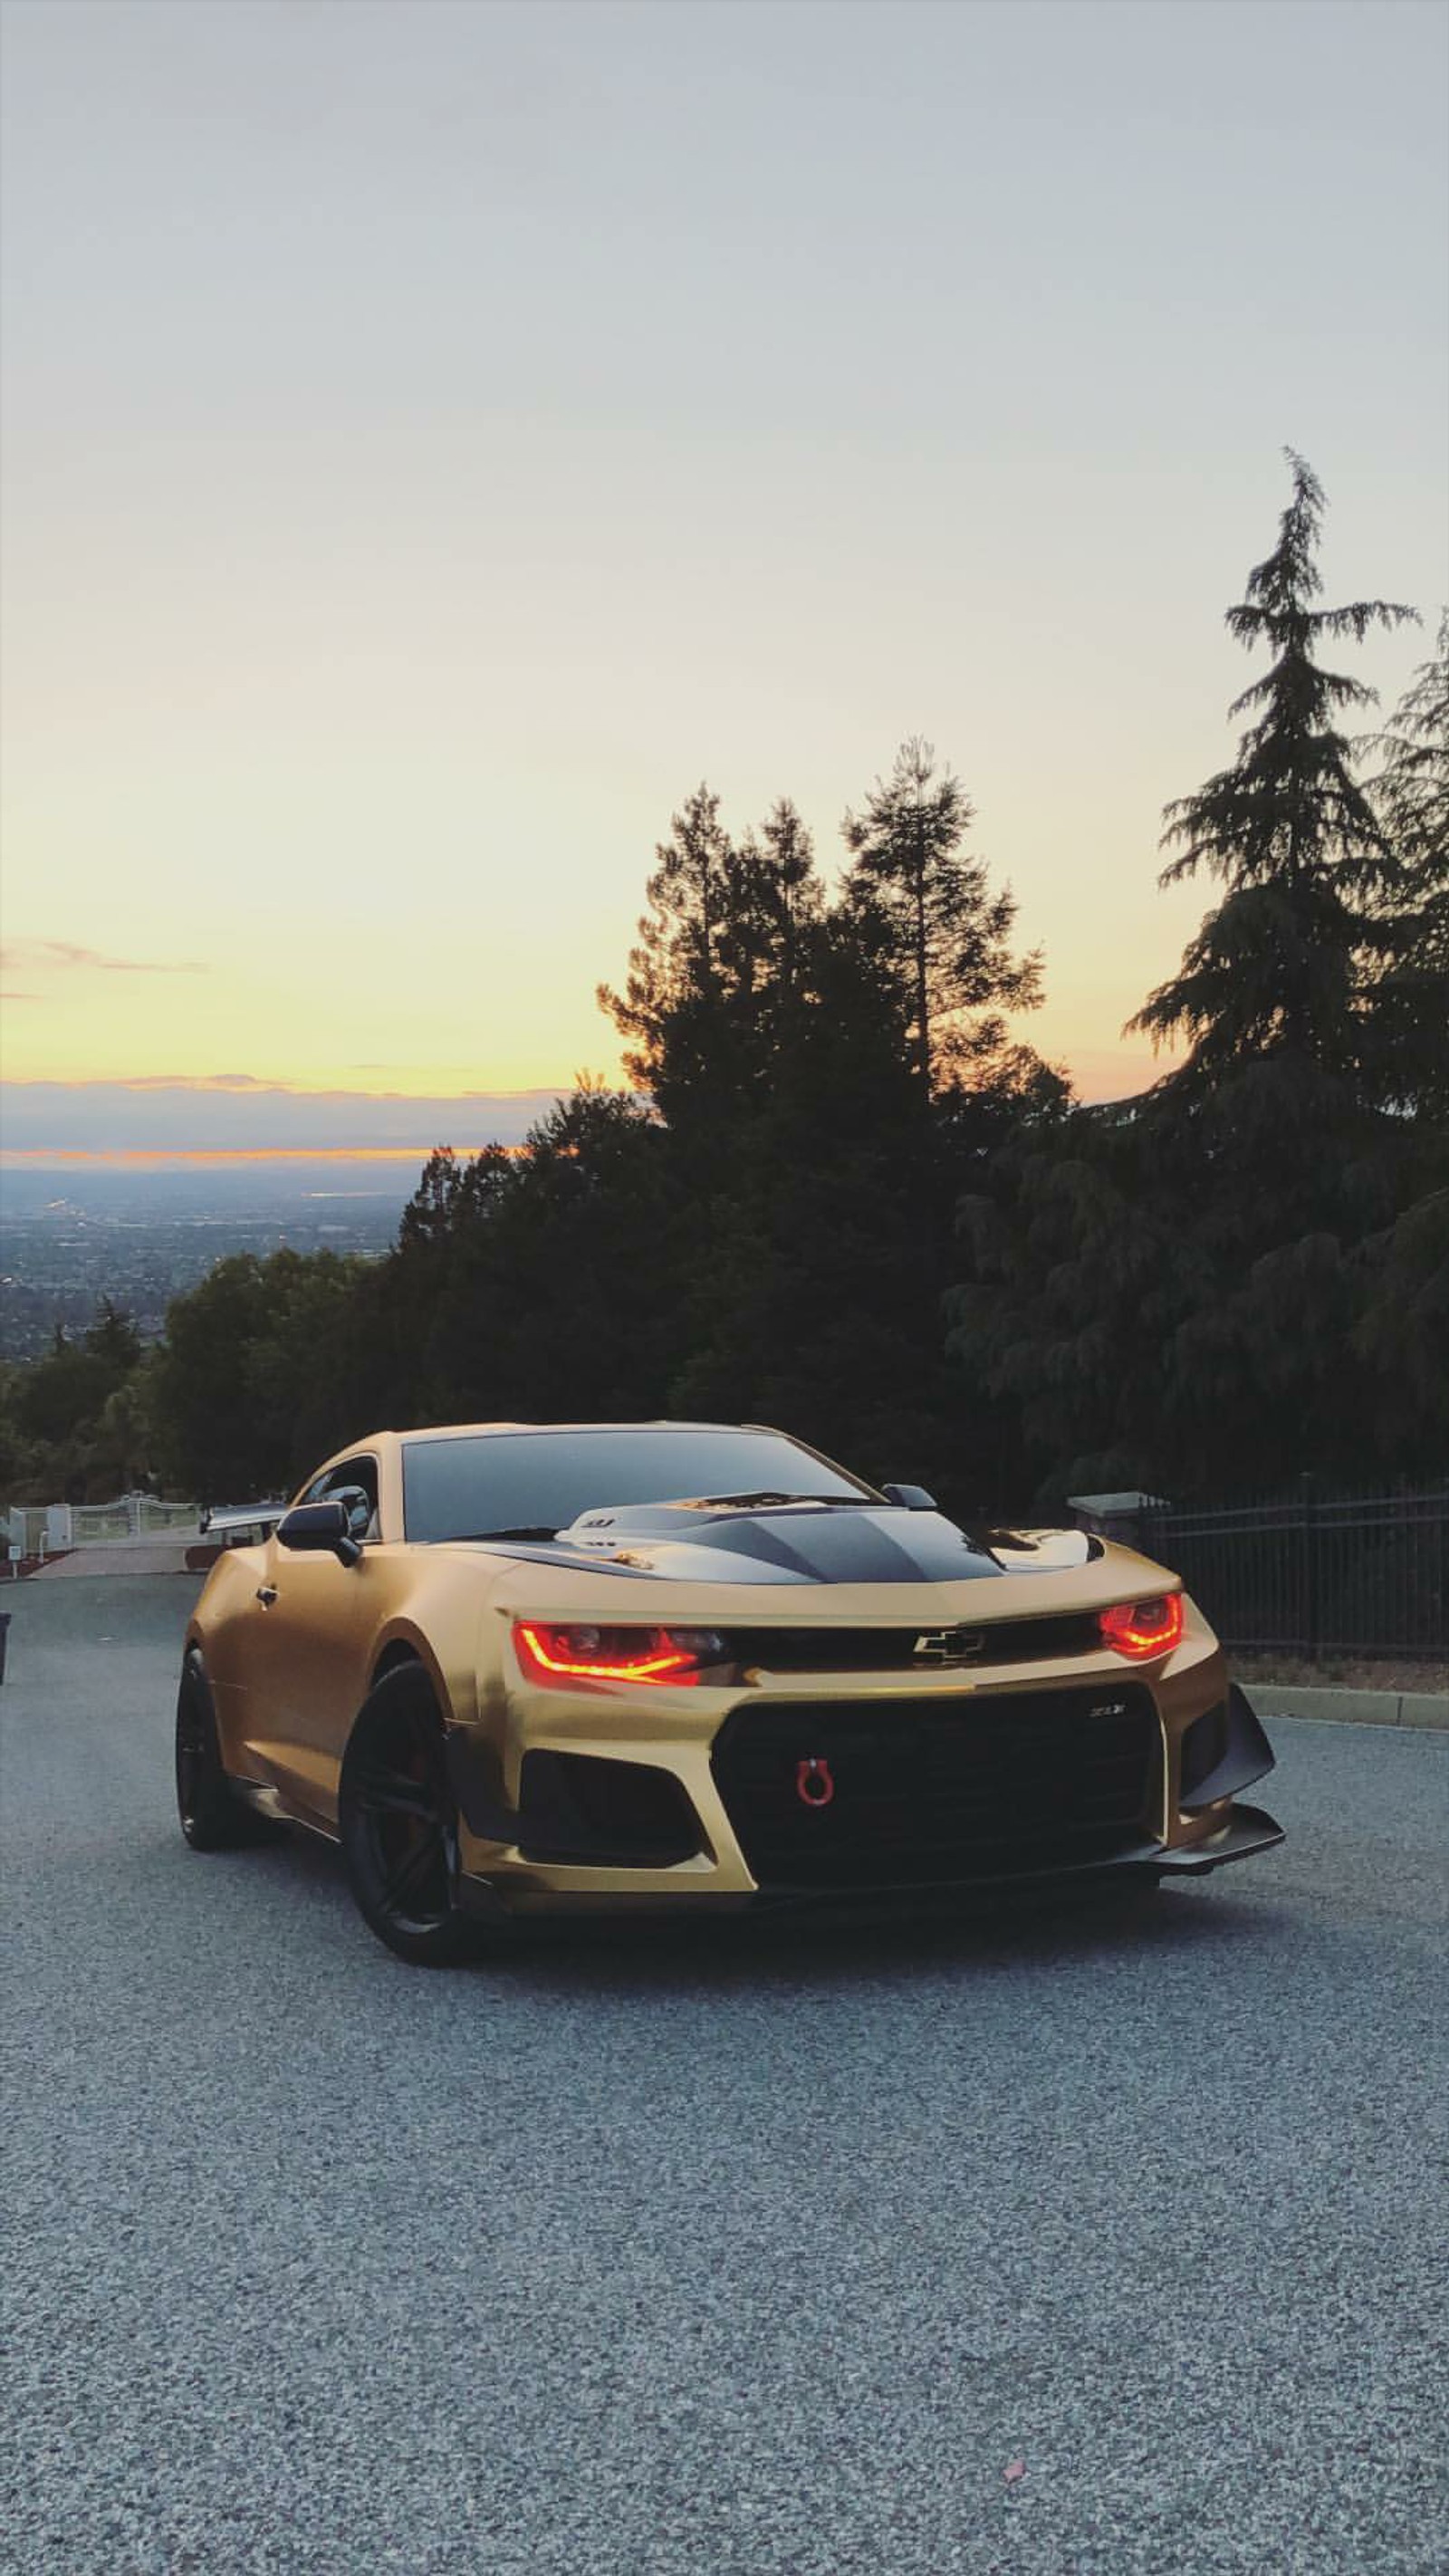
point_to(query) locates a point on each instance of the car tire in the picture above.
(399, 1824)
(211, 1815)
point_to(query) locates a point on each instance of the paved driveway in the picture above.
(750, 2253)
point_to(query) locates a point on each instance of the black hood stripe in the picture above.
(792, 1545)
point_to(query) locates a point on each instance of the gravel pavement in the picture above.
(752, 2251)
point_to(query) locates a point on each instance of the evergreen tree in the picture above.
(769, 938)
(1411, 798)
(580, 1282)
(114, 1340)
(1287, 963)
(1411, 790)
(74, 1423)
(251, 1387)
(815, 1308)
(531, 1284)
(1402, 1333)
(721, 967)
(671, 1012)
(120, 1450)
(950, 939)
(1191, 1292)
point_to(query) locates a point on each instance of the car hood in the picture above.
(799, 1543)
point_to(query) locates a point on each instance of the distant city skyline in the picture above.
(435, 437)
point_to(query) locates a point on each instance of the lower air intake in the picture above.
(621, 1815)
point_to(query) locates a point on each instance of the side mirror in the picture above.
(910, 1498)
(319, 1529)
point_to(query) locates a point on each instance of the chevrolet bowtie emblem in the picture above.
(948, 1645)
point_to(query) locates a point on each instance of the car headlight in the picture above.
(1138, 1629)
(554, 1656)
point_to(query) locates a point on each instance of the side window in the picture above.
(355, 1484)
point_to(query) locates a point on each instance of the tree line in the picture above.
(843, 1194)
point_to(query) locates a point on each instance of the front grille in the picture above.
(892, 1650)
(921, 1791)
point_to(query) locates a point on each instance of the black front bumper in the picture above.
(859, 1800)
(1244, 1831)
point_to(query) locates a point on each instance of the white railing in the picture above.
(44, 1529)
(92, 1521)
(167, 1516)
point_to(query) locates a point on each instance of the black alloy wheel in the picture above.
(213, 1817)
(399, 1824)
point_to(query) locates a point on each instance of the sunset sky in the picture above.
(436, 436)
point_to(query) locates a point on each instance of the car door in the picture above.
(314, 1620)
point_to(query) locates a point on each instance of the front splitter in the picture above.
(1245, 1830)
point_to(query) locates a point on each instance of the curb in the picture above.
(1352, 1707)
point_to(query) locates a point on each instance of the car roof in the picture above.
(488, 1430)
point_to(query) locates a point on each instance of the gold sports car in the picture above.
(515, 1668)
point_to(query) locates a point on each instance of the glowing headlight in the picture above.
(553, 1655)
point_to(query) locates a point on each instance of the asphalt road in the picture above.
(740, 2253)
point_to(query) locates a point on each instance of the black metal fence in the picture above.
(1316, 1574)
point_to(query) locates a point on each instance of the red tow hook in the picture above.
(814, 1785)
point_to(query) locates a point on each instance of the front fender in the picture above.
(436, 1612)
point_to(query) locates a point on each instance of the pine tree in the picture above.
(776, 904)
(669, 1009)
(722, 967)
(817, 1305)
(1411, 790)
(948, 936)
(1287, 962)
(1411, 798)
(114, 1339)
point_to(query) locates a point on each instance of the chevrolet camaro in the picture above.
(516, 1669)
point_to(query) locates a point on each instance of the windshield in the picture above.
(516, 1481)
